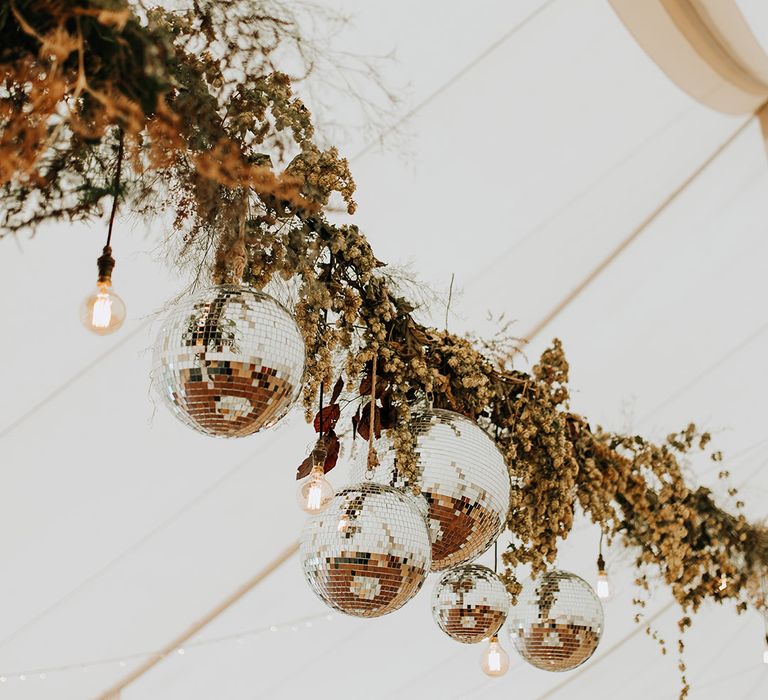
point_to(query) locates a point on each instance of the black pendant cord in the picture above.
(116, 187)
(496, 541)
(325, 318)
(600, 560)
(106, 262)
(324, 325)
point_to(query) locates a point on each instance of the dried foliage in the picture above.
(206, 116)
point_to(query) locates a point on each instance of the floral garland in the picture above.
(216, 129)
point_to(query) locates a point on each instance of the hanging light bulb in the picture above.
(765, 653)
(603, 587)
(494, 661)
(103, 311)
(316, 493)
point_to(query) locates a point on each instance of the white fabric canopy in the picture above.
(536, 137)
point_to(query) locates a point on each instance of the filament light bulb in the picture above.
(603, 584)
(603, 587)
(103, 311)
(765, 656)
(316, 493)
(494, 661)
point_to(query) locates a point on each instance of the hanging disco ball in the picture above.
(464, 479)
(367, 554)
(229, 361)
(557, 622)
(470, 603)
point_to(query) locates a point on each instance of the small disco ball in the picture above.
(229, 361)
(470, 603)
(557, 622)
(368, 553)
(464, 479)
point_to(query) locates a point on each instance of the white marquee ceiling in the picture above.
(537, 136)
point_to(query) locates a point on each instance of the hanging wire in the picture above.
(321, 404)
(373, 458)
(496, 557)
(42, 673)
(106, 263)
(116, 185)
(324, 325)
(600, 560)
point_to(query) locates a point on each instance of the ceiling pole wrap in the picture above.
(705, 47)
(114, 692)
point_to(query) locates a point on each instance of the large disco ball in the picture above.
(229, 361)
(557, 622)
(464, 479)
(470, 603)
(368, 552)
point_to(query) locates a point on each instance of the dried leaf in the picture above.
(337, 390)
(364, 426)
(304, 468)
(332, 446)
(355, 423)
(330, 415)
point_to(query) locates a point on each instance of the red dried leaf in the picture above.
(330, 417)
(364, 425)
(388, 415)
(355, 423)
(365, 385)
(337, 390)
(332, 445)
(304, 468)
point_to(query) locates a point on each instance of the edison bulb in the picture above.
(103, 311)
(316, 493)
(765, 656)
(494, 661)
(603, 587)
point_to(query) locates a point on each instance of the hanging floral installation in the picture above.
(212, 129)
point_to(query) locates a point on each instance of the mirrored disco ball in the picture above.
(470, 603)
(368, 553)
(465, 482)
(229, 361)
(557, 622)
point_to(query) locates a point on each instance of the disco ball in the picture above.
(464, 479)
(470, 603)
(557, 622)
(229, 361)
(367, 553)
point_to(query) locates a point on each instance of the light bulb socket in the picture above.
(319, 453)
(600, 563)
(106, 263)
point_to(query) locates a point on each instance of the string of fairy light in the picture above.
(121, 662)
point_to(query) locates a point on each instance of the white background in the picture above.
(119, 527)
